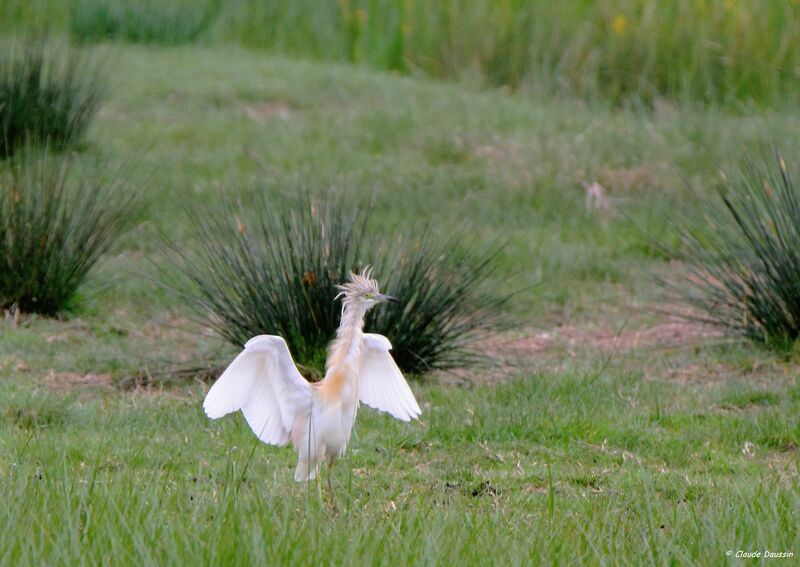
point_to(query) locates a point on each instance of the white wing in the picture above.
(381, 384)
(264, 384)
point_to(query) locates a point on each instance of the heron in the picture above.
(281, 406)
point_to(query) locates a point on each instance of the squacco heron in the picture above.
(281, 406)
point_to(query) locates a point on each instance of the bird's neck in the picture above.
(346, 348)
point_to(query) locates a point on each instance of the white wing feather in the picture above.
(381, 384)
(264, 384)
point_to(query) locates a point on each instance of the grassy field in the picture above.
(619, 437)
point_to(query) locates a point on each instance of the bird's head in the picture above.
(361, 290)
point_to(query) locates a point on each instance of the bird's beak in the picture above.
(388, 298)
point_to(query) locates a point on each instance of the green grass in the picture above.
(661, 456)
(629, 51)
(544, 473)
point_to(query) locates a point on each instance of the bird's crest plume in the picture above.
(360, 285)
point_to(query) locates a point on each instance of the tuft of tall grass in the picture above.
(47, 94)
(447, 300)
(56, 219)
(274, 268)
(743, 255)
(144, 21)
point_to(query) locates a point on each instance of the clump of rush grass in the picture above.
(274, 270)
(144, 21)
(56, 219)
(447, 305)
(47, 94)
(743, 255)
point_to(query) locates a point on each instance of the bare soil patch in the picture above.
(90, 382)
(548, 350)
(268, 110)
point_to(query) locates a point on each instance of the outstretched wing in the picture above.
(264, 384)
(381, 384)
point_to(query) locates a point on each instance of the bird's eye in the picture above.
(368, 295)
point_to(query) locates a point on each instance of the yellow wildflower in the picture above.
(620, 24)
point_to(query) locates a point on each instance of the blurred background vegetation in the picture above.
(709, 51)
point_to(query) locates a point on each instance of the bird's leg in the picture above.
(318, 483)
(331, 461)
(317, 479)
